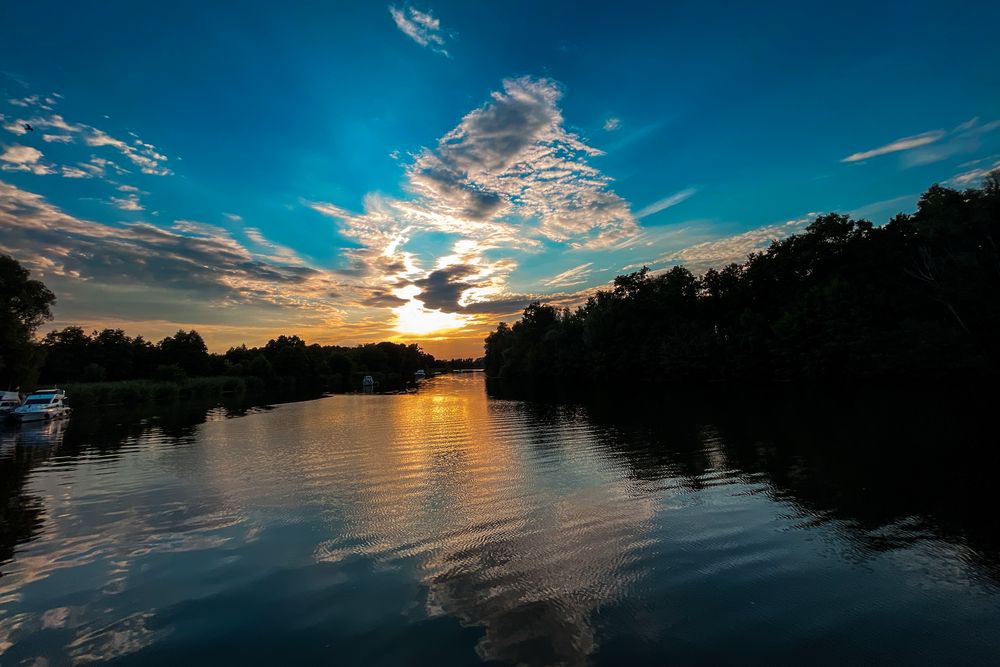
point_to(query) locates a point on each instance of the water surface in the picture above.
(447, 527)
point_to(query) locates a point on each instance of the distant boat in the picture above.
(368, 384)
(420, 375)
(8, 401)
(43, 405)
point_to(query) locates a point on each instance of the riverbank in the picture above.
(87, 396)
(131, 393)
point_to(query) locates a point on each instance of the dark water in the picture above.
(449, 528)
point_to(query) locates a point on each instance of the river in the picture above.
(449, 527)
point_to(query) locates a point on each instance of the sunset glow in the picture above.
(413, 150)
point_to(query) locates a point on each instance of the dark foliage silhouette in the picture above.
(918, 297)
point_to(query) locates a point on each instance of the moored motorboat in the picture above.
(8, 401)
(42, 405)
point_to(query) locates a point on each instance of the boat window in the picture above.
(38, 401)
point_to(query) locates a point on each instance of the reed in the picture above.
(90, 395)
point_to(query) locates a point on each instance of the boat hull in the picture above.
(38, 416)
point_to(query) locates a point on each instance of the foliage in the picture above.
(284, 364)
(24, 305)
(917, 297)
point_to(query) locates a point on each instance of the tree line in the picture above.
(71, 355)
(918, 297)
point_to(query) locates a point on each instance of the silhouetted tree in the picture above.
(24, 305)
(917, 297)
(187, 350)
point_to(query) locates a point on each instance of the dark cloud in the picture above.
(442, 289)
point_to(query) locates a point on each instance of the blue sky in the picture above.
(362, 171)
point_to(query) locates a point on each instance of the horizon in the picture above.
(419, 172)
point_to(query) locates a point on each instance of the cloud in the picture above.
(570, 277)
(966, 138)
(422, 27)
(232, 217)
(932, 146)
(612, 124)
(188, 259)
(128, 203)
(719, 252)
(513, 159)
(24, 158)
(443, 289)
(904, 144)
(143, 155)
(74, 172)
(99, 167)
(665, 203)
(886, 208)
(970, 178)
(508, 178)
(31, 100)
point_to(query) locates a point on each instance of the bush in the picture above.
(170, 373)
(94, 373)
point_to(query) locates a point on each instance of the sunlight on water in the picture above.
(453, 527)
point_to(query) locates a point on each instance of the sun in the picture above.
(415, 319)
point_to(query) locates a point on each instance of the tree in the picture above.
(843, 299)
(187, 350)
(24, 305)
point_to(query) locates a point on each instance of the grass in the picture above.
(87, 395)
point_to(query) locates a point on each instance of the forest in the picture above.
(915, 299)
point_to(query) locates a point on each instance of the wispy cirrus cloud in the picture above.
(976, 171)
(932, 146)
(570, 277)
(718, 252)
(422, 27)
(665, 203)
(904, 144)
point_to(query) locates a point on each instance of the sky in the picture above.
(354, 172)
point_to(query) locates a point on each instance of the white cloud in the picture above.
(31, 100)
(575, 276)
(233, 217)
(973, 176)
(904, 144)
(932, 146)
(422, 27)
(720, 252)
(666, 202)
(74, 172)
(508, 177)
(128, 203)
(144, 155)
(966, 138)
(24, 158)
(612, 124)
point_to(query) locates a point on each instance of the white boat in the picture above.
(42, 405)
(8, 401)
(420, 375)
